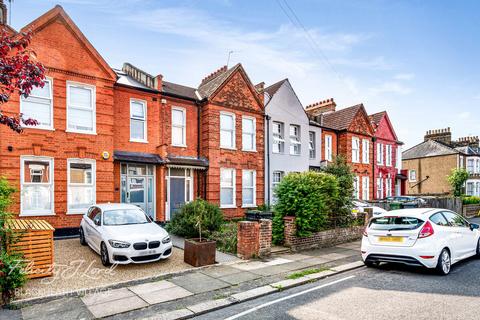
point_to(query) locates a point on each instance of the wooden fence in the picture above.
(449, 203)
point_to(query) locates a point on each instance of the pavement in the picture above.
(220, 257)
(389, 292)
(198, 291)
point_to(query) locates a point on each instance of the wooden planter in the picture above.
(36, 244)
(198, 253)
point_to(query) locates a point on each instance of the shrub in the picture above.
(310, 197)
(457, 180)
(195, 219)
(470, 200)
(226, 237)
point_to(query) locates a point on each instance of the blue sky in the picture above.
(416, 59)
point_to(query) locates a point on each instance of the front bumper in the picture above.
(130, 255)
(411, 256)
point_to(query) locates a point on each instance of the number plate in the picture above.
(148, 252)
(390, 239)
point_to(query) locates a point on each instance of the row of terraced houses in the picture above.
(123, 135)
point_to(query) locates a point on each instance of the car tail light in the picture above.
(427, 257)
(426, 231)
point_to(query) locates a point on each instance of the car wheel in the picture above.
(444, 263)
(371, 264)
(104, 255)
(83, 242)
(478, 249)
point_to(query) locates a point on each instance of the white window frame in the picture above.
(470, 188)
(39, 126)
(365, 188)
(33, 213)
(328, 147)
(388, 155)
(278, 138)
(356, 187)
(388, 187)
(410, 175)
(145, 126)
(228, 114)
(233, 187)
(69, 184)
(254, 188)
(183, 126)
(470, 168)
(94, 107)
(312, 150)
(380, 189)
(251, 135)
(379, 153)
(365, 151)
(355, 150)
(295, 140)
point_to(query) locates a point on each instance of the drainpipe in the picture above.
(199, 110)
(374, 139)
(267, 118)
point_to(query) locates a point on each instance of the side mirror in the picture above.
(97, 222)
(474, 226)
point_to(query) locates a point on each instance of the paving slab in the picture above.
(65, 308)
(113, 307)
(150, 287)
(237, 278)
(220, 271)
(315, 261)
(277, 261)
(348, 266)
(250, 294)
(294, 256)
(107, 296)
(164, 295)
(269, 271)
(297, 265)
(251, 265)
(6, 314)
(284, 284)
(199, 282)
(334, 256)
(209, 305)
(170, 315)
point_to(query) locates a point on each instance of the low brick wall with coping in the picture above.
(254, 238)
(471, 210)
(322, 239)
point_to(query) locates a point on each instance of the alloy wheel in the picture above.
(446, 263)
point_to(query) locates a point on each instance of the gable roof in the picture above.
(272, 89)
(58, 12)
(469, 151)
(341, 119)
(429, 148)
(377, 117)
(208, 88)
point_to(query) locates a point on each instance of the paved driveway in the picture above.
(78, 267)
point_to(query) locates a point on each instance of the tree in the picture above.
(457, 180)
(19, 73)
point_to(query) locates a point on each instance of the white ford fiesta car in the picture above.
(433, 238)
(122, 233)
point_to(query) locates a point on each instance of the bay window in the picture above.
(227, 188)
(81, 184)
(227, 130)
(278, 137)
(36, 186)
(39, 106)
(179, 127)
(248, 134)
(138, 120)
(295, 144)
(248, 188)
(80, 108)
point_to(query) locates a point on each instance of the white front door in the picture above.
(138, 187)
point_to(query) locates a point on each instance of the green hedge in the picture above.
(310, 197)
(471, 200)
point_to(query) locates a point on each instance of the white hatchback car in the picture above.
(433, 238)
(122, 233)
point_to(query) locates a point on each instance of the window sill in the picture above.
(179, 145)
(81, 132)
(39, 128)
(228, 206)
(249, 206)
(75, 213)
(253, 150)
(295, 155)
(138, 141)
(45, 214)
(229, 148)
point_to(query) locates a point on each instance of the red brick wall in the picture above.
(333, 134)
(254, 238)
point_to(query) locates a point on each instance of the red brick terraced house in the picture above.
(354, 134)
(110, 135)
(387, 157)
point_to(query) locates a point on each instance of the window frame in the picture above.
(366, 196)
(233, 187)
(36, 212)
(275, 184)
(233, 130)
(280, 140)
(183, 126)
(312, 145)
(145, 126)
(329, 147)
(356, 187)
(252, 135)
(41, 127)
(356, 151)
(93, 185)
(295, 140)
(365, 151)
(388, 155)
(380, 155)
(93, 89)
(410, 175)
(253, 187)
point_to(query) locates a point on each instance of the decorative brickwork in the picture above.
(322, 239)
(254, 238)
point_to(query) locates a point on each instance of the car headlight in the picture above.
(119, 244)
(166, 240)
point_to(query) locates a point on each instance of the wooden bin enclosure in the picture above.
(36, 243)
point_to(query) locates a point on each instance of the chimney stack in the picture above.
(3, 13)
(321, 107)
(439, 135)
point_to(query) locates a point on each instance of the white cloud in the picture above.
(404, 76)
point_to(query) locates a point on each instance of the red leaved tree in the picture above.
(19, 73)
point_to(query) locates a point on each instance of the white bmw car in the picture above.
(360, 206)
(432, 238)
(123, 233)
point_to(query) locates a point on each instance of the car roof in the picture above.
(414, 213)
(115, 206)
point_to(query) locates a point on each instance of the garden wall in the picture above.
(322, 239)
(471, 210)
(254, 238)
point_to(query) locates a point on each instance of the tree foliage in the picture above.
(19, 73)
(310, 196)
(457, 180)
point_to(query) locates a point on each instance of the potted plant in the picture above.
(196, 221)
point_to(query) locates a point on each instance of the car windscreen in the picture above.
(395, 223)
(121, 217)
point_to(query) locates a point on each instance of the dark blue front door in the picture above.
(177, 194)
